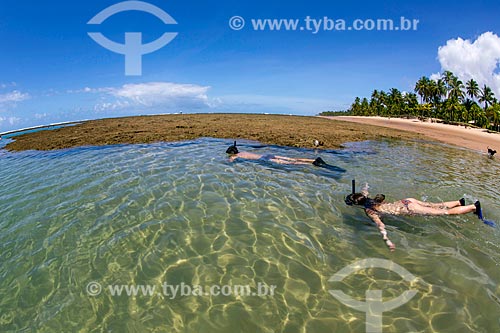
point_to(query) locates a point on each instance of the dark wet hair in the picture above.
(379, 198)
(232, 150)
(355, 199)
(362, 200)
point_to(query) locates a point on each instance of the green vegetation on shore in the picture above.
(335, 113)
(446, 98)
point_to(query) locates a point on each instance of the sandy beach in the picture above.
(472, 138)
(292, 131)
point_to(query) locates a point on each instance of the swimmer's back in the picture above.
(393, 208)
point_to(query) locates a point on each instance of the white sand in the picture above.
(472, 138)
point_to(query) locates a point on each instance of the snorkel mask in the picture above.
(360, 199)
(232, 150)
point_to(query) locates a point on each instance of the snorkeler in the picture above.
(233, 151)
(376, 207)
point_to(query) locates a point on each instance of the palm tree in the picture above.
(430, 91)
(482, 120)
(422, 88)
(456, 92)
(475, 111)
(448, 77)
(486, 96)
(410, 103)
(383, 101)
(455, 96)
(472, 88)
(356, 106)
(375, 102)
(493, 115)
(396, 101)
(439, 94)
(433, 94)
(444, 98)
(441, 88)
(365, 107)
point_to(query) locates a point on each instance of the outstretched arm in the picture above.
(381, 227)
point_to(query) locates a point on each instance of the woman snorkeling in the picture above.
(376, 207)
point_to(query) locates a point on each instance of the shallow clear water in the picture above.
(181, 213)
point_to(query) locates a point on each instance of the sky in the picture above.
(52, 71)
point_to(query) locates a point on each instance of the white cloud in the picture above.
(40, 115)
(111, 106)
(14, 96)
(478, 59)
(7, 85)
(158, 92)
(9, 101)
(153, 94)
(84, 90)
(435, 76)
(10, 120)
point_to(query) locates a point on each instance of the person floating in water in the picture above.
(376, 207)
(234, 154)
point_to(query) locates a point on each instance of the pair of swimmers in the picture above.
(375, 207)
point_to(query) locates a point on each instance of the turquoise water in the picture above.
(180, 213)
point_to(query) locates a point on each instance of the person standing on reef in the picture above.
(375, 208)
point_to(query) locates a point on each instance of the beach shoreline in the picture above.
(292, 131)
(461, 136)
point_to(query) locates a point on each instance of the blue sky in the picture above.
(52, 71)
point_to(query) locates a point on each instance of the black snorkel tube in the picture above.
(348, 199)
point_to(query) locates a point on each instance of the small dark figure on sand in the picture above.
(491, 152)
